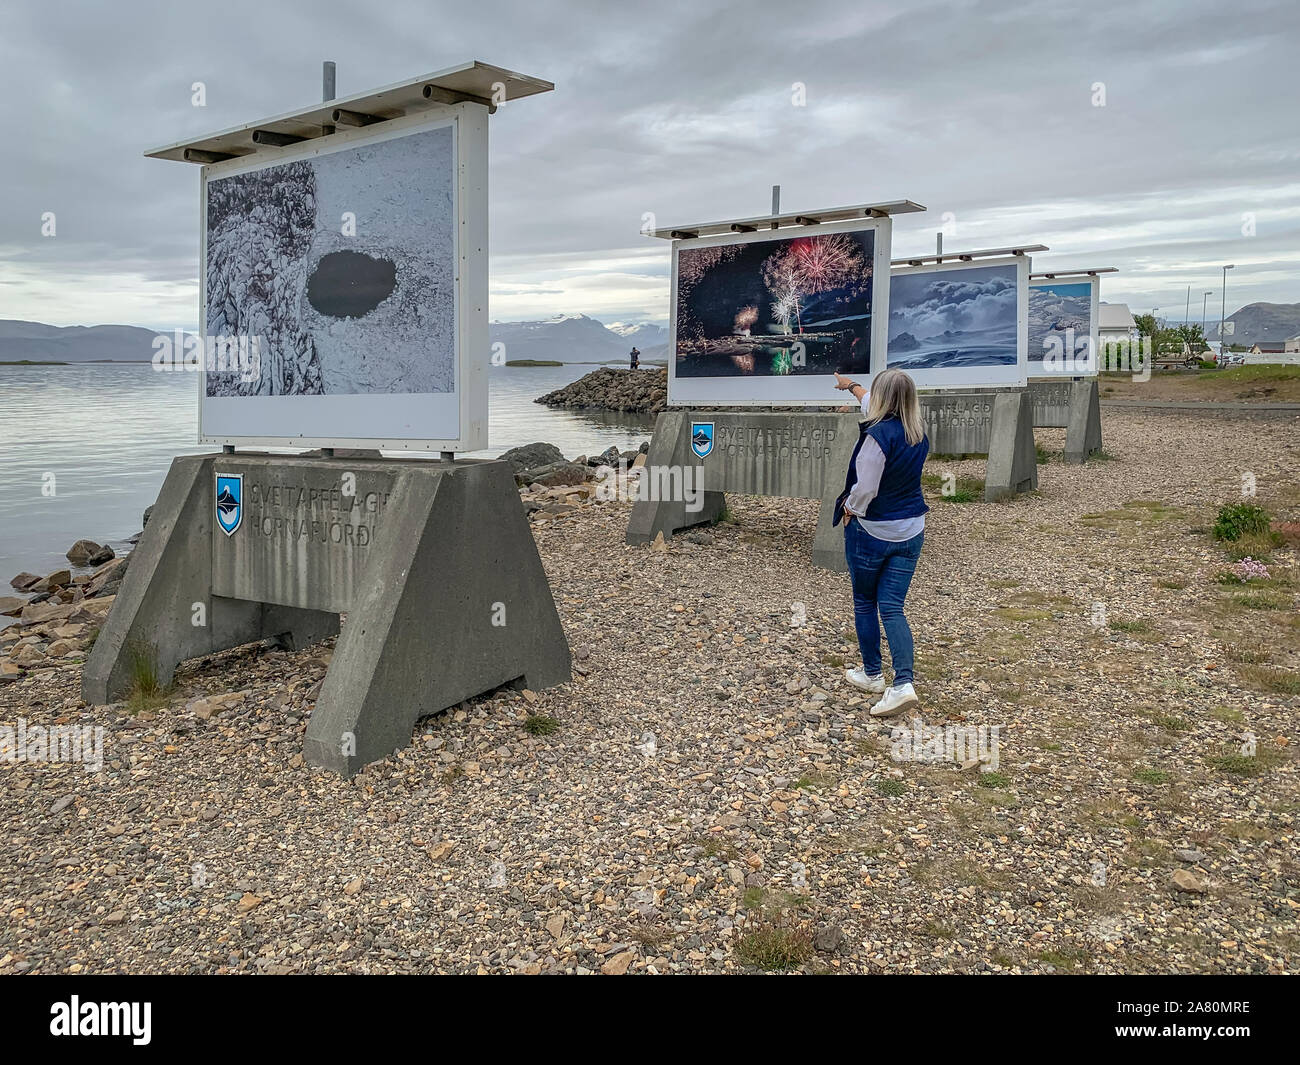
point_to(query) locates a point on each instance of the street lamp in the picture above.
(1223, 305)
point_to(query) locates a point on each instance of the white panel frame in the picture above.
(453, 421)
(794, 390)
(1012, 375)
(1036, 370)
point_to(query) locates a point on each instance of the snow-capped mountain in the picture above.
(640, 333)
(576, 338)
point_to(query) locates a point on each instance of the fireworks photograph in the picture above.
(774, 308)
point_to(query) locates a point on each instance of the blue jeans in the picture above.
(881, 572)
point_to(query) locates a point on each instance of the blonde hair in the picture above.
(893, 393)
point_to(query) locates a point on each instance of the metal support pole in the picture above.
(327, 83)
(776, 203)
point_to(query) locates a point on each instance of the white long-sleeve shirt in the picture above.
(870, 466)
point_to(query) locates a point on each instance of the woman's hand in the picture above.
(842, 383)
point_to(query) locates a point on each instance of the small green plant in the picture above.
(1242, 765)
(774, 941)
(1152, 776)
(994, 780)
(891, 788)
(540, 725)
(144, 690)
(1236, 520)
(1279, 681)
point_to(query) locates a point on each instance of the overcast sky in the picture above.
(686, 110)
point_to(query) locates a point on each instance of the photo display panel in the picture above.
(1063, 319)
(962, 324)
(340, 294)
(767, 318)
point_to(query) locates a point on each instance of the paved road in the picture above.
(1166, 404)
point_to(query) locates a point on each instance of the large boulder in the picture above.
(11, 605)
(60, 578)
(556, 473)
(533, 456)
(24, 581)
(80, 553)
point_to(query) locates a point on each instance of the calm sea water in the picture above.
(84, 449)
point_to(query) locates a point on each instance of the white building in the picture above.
(1115, 322)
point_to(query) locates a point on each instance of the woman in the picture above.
(883, 512)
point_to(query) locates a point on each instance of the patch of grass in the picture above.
(1264, 599)
(774, 942)
(891, 788)
(1259, 546)
(540, 725)
(1172, 724)
(994, 780)
(716, 846)
(952, 489)
(834, 661)
(1247, 655)
(814, 781)
(1148, 775)
(1227, 714)
(145, 691)
(1266, 678)
(726, 516)
(1067, 957)
(1241, 765)
(1135, 510)
(1012, 613)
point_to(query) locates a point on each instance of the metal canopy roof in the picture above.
(966, 256)
(1076, 273)
(793, 218)
(471, 81)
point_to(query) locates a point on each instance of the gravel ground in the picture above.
(715, 799)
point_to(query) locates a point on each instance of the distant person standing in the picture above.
(636, 359)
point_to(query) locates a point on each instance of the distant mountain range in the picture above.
(35, 342)
(578, 338)
(564, 338)
(1258, 322)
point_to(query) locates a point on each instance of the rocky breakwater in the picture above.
(59, 614)
(551, 486)
(627, 391)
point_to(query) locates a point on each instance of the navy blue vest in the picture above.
(899, 495)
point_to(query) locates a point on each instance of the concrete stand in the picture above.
(1072, 405)
(1013, 461)
(433, 563)
(997, 424)
(763, 454)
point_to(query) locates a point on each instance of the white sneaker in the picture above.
(859, 679)
(896, 701)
